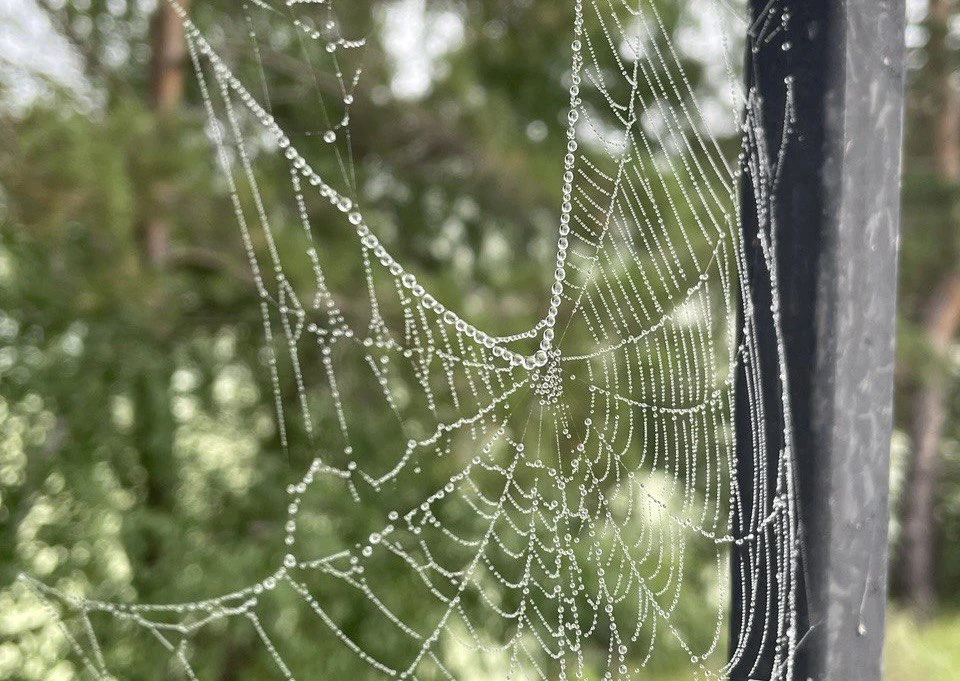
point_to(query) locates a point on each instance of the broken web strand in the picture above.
(628, 323)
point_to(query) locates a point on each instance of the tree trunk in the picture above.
(154, 422)
(941, 318)
(168, 55)
(920, 527)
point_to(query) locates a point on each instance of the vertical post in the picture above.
(836, 221)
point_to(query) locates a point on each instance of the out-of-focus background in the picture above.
(139, 457)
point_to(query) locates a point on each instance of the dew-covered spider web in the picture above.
(588, 465)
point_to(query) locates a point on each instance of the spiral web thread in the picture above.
(588, 456)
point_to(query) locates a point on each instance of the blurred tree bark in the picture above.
(154, 421)
(168, 58)
(168, 55)
(940, 320)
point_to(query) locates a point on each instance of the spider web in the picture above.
(585, 460)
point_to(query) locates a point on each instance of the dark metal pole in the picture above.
(836, 222)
